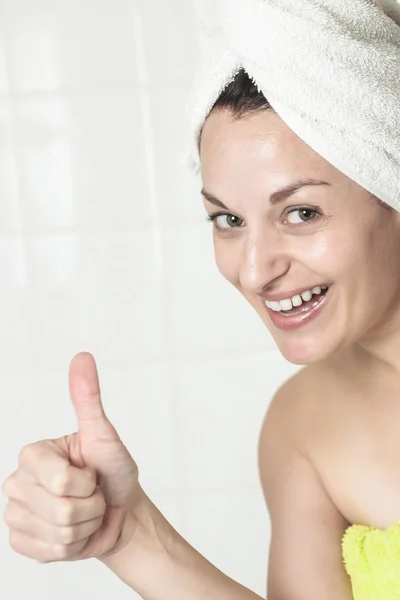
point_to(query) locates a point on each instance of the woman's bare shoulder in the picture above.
(296, 392)
(300, 405)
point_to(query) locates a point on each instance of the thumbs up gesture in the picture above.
(74, 497)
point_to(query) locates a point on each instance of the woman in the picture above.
(316, 255)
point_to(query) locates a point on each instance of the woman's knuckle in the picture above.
(25, 454)
(64, 513)
(9, 486)
(9, 515)
(15, 540)
(60, 551)
(66, 535)
(60, 482)
(99, 505)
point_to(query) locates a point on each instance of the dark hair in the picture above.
(242, 97)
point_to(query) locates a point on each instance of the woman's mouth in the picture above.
(294, 312)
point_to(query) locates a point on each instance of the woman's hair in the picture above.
(242, 97)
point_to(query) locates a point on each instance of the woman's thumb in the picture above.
(85, 395)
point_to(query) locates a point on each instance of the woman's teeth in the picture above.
(290, 303)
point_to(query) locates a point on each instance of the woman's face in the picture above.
(333, 235)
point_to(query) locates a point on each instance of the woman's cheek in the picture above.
(319, 254)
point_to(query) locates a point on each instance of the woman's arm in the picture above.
(160, 565)
(305, 561)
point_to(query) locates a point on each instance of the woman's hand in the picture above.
(79, 497)
(75, 497)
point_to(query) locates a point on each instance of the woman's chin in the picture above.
(304, 352)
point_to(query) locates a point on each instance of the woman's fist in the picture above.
(75, 497)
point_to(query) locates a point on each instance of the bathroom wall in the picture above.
(104, 247)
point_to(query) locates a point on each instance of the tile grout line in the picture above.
(23, 232)
(97, 88)
(137, 227)
(158, 241)
(147, 361)
(28, 270)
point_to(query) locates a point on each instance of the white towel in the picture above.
(329, 68)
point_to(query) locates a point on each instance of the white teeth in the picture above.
(297, 301)
(306, 295)
(286, 304)
(276, 306)
(289, 303)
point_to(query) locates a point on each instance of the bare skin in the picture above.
(328, 450)
(329, 445)
(351, 437)
(328, 459)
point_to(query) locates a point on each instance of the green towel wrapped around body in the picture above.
(372, 560)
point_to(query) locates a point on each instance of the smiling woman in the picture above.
(304, 202)
(289, 225)
(312, 251)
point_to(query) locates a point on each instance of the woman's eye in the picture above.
(301, 215)
(226, 221)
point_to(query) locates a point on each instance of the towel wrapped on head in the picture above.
(329, 68)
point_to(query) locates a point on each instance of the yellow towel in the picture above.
(372, 560)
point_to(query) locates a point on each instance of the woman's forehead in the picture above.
(260, 143)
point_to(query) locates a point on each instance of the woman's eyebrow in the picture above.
(278, 196)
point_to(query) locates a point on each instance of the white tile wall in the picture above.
(10, 211)
(53, 44)
(104, 247)
(232, 529)
(82, 160)
(222, 404)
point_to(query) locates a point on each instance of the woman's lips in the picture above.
(289, 322)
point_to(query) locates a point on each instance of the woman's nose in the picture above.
(263, 261)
